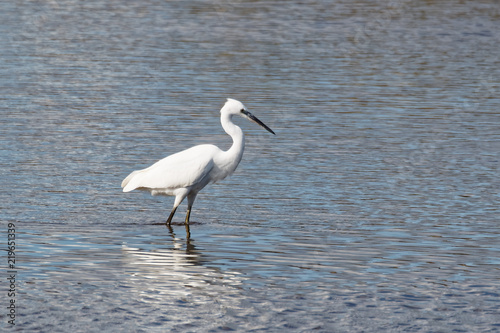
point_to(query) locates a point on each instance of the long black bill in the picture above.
(256, 120)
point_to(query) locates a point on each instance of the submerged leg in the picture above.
(191, 197)
(169, 227)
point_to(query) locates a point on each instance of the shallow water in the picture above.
(374, 208)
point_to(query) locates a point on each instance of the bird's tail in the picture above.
(125, 183)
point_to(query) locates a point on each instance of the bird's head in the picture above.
(234, 107)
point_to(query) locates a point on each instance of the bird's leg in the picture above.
(169, 220)
(191, 196)
(178, 199)
(187, 215)
(188, 232)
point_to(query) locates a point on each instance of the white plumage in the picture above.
(185, 173)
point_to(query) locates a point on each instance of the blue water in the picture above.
(373, 209)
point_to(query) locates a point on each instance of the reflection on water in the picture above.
(229, 277)
(374, 208)
(158, 274)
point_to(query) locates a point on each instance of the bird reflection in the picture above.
(189, 246)
(188, 233)
(179, 271)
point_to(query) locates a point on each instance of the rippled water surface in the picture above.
(373, 209)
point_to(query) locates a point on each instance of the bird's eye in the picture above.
(242, 110)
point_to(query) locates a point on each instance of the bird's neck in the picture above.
(234, 153)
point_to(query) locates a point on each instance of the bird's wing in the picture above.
(183, 169)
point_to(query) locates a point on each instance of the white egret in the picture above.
(184, 174)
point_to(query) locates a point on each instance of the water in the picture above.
(374, 208)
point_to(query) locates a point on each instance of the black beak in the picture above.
(256, 120)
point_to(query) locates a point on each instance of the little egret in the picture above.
(184, 174)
